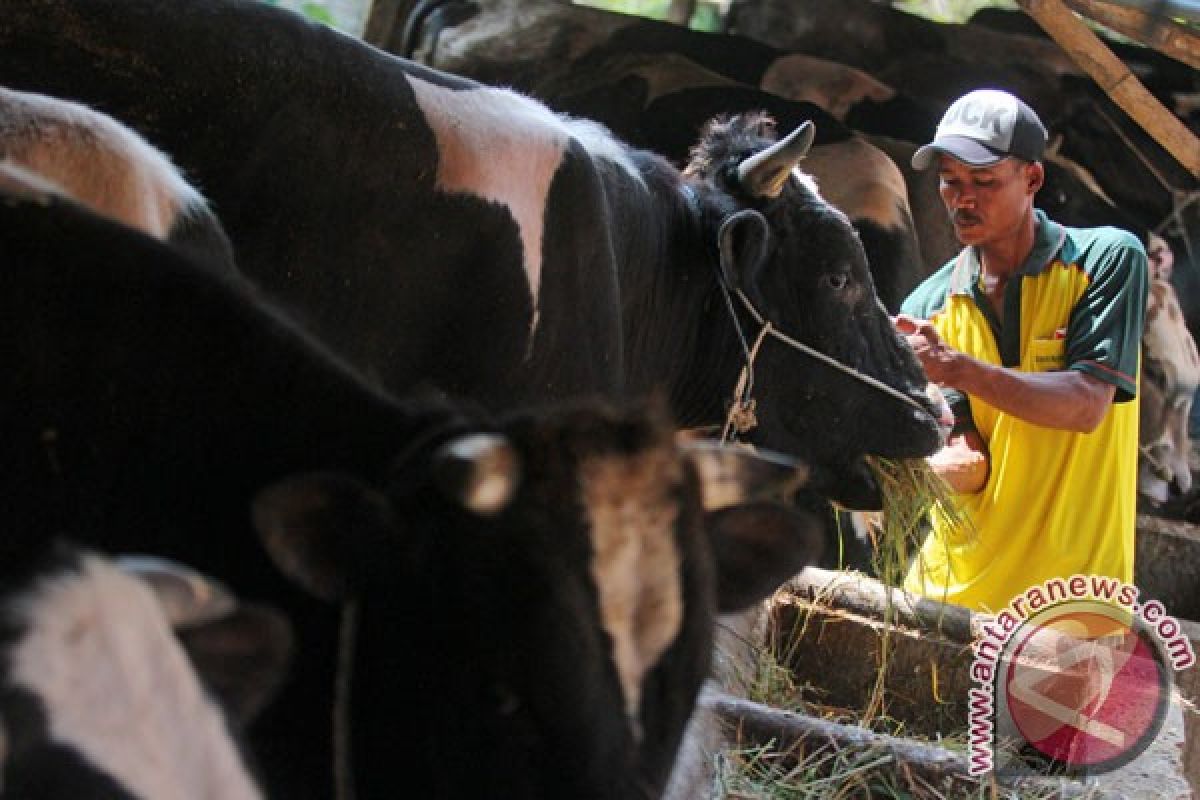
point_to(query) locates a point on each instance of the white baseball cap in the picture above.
(983, 127)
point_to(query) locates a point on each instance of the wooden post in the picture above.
(1165, 35)
(1091, 54)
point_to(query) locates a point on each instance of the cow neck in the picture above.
(741, 418)
(672, 325)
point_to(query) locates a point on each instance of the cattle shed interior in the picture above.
(535, 595)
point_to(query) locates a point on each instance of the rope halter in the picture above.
(741, 417)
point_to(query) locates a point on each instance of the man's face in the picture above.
(988, 204)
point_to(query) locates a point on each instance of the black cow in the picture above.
(534, 595)
(435, 230)
(851, 173)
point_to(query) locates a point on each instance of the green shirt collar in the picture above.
(1048, 241)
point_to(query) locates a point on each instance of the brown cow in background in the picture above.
(1170, 377)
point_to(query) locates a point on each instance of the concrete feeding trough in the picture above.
(828, 628)
(823, 618)
(1167, 564)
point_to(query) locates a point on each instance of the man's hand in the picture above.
(941, 362)
(1067, 399)
(963, 463)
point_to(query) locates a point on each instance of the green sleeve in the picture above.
(1104, 334)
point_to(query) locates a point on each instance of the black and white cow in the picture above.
(97, 697)
(110, 169)
(534, 596)
(431, 229)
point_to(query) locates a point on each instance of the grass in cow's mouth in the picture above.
(911, 493)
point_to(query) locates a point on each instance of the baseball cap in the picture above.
(983, 127)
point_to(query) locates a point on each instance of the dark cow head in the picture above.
(794, 261)
(534, 608)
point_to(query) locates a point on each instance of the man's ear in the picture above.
(310, 524)
(1035, 176)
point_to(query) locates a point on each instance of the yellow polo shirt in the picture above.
(1056, 503)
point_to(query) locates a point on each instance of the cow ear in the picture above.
(757, 547)
(309, 523)
(743, 241)
(733, 474)
(242, 658)
(852, 486)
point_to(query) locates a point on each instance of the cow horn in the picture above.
(480, 471)
(187, 597)
(764, 174)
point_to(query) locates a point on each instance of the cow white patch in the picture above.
(834, 87)
(96, 160)
(636, 565)
(119, 690)
(511, 31)
(505, 148)
(862, 182)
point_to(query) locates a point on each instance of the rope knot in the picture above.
(742, 418)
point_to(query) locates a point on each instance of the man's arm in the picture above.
(1069, 400)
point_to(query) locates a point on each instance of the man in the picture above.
(1035, 331)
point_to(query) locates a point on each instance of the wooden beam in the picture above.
(1094, 57)
(1164, 35)
(870, 598)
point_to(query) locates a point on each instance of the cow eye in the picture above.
(837, 281)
